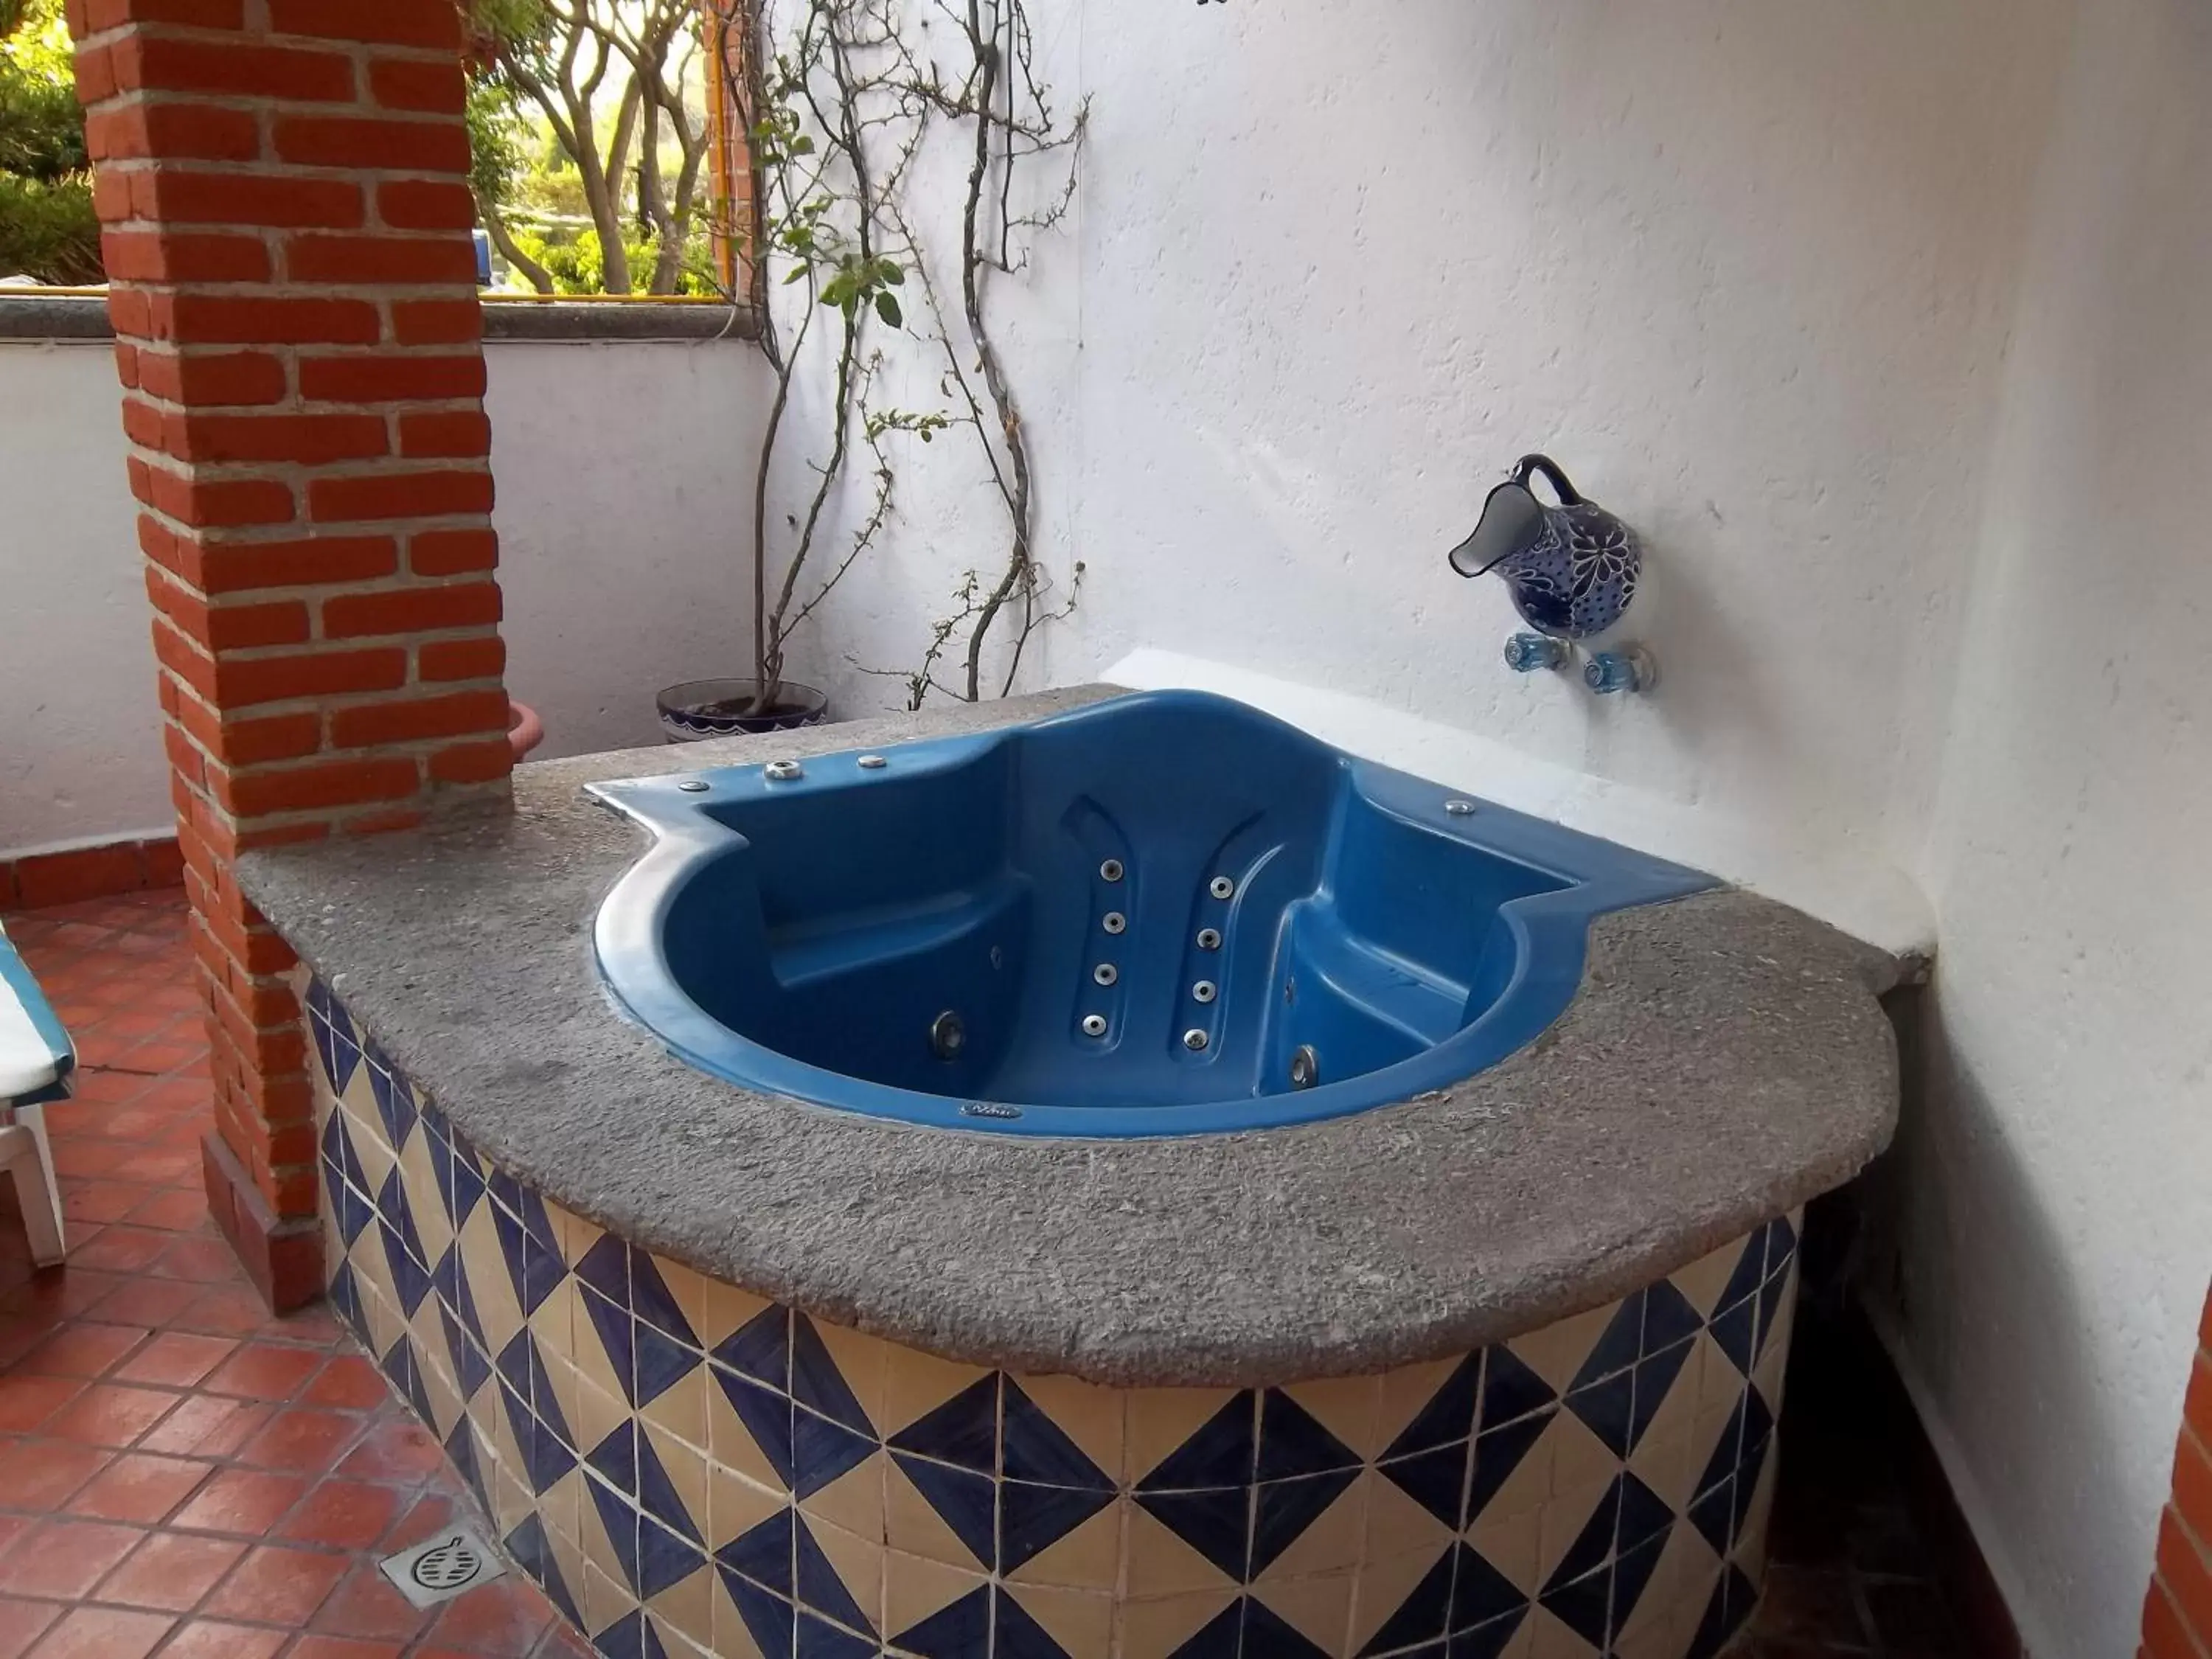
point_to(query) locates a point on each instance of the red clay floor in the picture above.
(181, 1474)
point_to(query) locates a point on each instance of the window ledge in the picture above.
(35, 314)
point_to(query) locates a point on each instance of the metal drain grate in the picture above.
(448, 1564)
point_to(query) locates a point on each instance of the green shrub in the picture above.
(47, 227)
(48, 230)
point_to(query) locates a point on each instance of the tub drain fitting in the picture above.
(1305, 1067)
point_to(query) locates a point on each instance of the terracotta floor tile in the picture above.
(277, 1584)
(28, 1401)
(158, 1168)
(103, 1633)
(176, 1210)
(109, 1088)
(171, 1571)
(42, 1474)
(344, 1513)
(175, 1359)
(199, 1259)
(88, 1158)
(161, 1054)
(261, 1370)
(120, 1248)
(348, 1383)
(145, 1301)
(431, 1512)
(139, 1487)
(20, 1333)
(68, 1292)
(111, 1414)
(205, 1639)
(364, 1604)
(399, 1450)
(224, 1310)
(341, 1647)
(248, 1501)
(62, 1559)
(505, 1616)
(205, 1426)
(23, 1622)
(302, 1439)
(81, 1350)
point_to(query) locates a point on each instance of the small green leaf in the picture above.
(797, 274)
(888, 309)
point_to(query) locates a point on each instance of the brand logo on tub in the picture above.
(988, 1109)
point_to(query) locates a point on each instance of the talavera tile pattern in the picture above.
(688, 1468)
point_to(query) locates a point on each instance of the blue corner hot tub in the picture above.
(1166, 913)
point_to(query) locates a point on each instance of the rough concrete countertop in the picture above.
(1724, 1059)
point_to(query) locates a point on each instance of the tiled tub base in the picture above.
(687, 1467)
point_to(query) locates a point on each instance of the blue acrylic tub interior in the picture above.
(804, 936)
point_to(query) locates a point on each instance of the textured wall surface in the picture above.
(2055, 1226)
(620, 560)
(625, 472)
(81, 755)
(1744, 269)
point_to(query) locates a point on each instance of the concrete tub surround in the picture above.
(1504, 1358)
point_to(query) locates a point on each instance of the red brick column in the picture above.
(286, 225)
(2178, 1611)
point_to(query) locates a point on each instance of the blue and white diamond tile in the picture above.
(690, 1468)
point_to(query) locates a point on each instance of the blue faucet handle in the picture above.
(1629, 669)
(1526, 652)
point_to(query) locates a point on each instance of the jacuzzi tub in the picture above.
(1167, 914)
(1493, 1373)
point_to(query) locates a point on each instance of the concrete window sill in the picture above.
(35, 315)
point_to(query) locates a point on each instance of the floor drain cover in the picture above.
(442, 1566)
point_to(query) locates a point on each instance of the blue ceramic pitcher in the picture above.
(1570, 568)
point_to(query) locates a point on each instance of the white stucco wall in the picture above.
(1887, 324)
(80, 732)
(621, 560)
(1744, 269)
(622, 469)
(2054, 1214)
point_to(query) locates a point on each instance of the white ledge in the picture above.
(1869, 898)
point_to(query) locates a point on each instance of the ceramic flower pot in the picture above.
(724, 708)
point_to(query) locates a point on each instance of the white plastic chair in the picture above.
(35, 1060)
(26, 1154)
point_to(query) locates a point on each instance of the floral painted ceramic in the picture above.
(1571, 569)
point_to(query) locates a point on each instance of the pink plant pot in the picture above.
(525, 731)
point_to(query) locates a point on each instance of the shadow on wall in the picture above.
(2047, 1192)
(1952, 1193)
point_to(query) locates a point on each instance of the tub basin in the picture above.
(1164, 914)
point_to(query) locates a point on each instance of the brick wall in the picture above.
(286, 225)
(2178, 1611)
